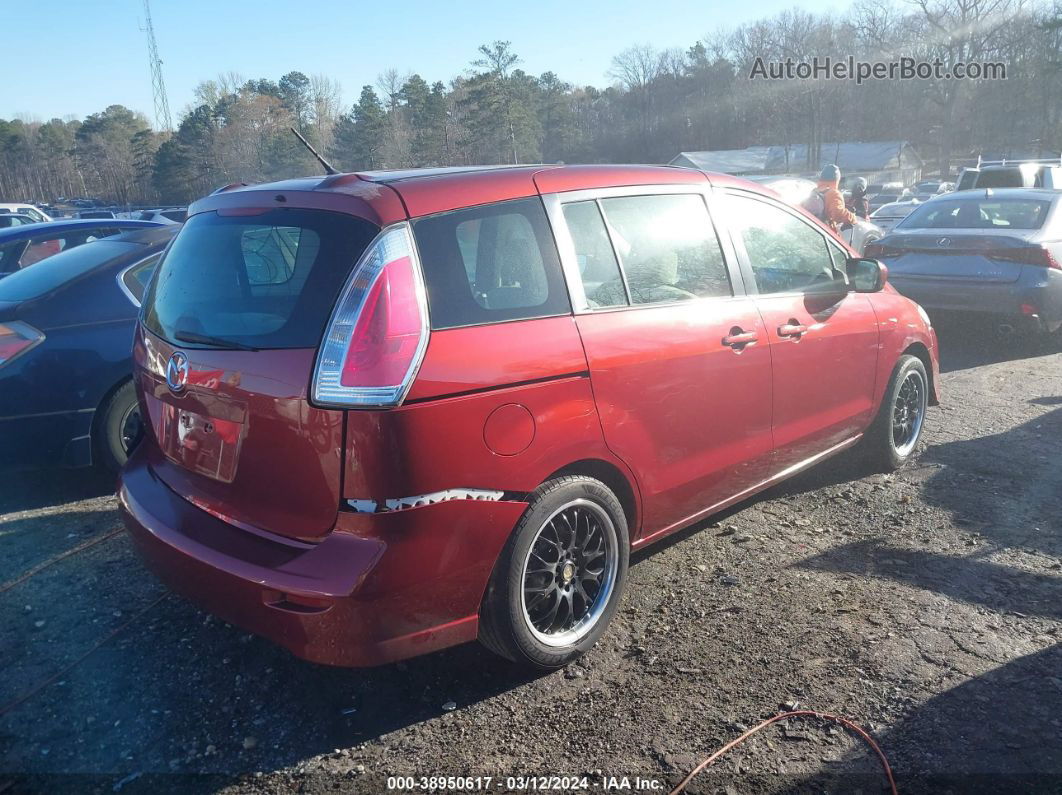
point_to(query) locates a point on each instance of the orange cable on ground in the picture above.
(63, 671)
(7, 586)
(800, 713)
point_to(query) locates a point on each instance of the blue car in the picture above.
(21, 246)
(66, 334)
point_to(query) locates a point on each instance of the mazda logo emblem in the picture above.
(177, 372)
(944, 242)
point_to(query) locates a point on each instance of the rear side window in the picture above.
(267, 280)
(136, 278)
(667, 248)
(490, 264)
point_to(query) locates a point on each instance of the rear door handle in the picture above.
(792, 330)
(739, 339)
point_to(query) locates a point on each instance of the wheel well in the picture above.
(922, 352)
(611, 476)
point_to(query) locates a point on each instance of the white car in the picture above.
(172, 215)
(888, 215)
(35, 213)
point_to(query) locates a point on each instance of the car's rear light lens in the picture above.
(1027, 255)
(16, 338)
(378, 332)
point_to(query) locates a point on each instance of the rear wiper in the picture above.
(215, 342)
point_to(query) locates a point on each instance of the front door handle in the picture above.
(739, 339)
(792, 329)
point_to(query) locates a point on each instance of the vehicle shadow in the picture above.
(1000, 487)
(26, 490)
(996, 586)
(1007, 729)
(188, 703)
(965, 344)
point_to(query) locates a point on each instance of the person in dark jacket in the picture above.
(857, 202)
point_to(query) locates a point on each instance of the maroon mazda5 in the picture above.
(391, 412)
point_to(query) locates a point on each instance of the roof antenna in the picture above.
(329, 170)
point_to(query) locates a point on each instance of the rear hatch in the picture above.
(225, 353)
(983, 257)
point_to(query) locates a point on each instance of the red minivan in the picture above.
(391, 412)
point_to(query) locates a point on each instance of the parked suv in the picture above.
(1012, 174)
(392, 412)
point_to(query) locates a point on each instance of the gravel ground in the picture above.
(923, 605)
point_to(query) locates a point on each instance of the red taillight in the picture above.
(379, 329)
(17, 337)
(387, 333)
(1027, 255)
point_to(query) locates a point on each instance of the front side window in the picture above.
(10, 254)
(667, 248)
(785, 253)
(490, 264)
(267, 281)
(41, 248)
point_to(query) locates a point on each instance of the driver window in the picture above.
(667, 248)
(786, 254)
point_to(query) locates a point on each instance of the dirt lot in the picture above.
(925, 605)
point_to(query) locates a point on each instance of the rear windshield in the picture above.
(60, 268)
(267, 280)
(987, 213)
(1001, 178)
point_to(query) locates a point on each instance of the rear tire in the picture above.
(894, 435)
(560, 577)
(118, 430)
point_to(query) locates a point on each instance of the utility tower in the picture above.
(162, 104)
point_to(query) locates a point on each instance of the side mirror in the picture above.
(866, 275)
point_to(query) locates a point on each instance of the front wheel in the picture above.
(560, 577)
(893, 437)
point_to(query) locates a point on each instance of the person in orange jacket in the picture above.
(833, 212)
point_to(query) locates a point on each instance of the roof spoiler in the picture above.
(230, 186)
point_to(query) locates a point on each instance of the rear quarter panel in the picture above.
(439, 439)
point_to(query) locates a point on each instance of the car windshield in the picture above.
(60, 268)
(266, 281)
(986, 213)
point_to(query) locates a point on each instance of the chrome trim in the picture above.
(404, 503)
(741, 495)
(121, 278)
(375, 397)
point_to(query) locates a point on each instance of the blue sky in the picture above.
(82, 55)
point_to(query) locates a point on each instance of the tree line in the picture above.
(657, 103)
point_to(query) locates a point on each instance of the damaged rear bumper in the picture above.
(379, 588)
